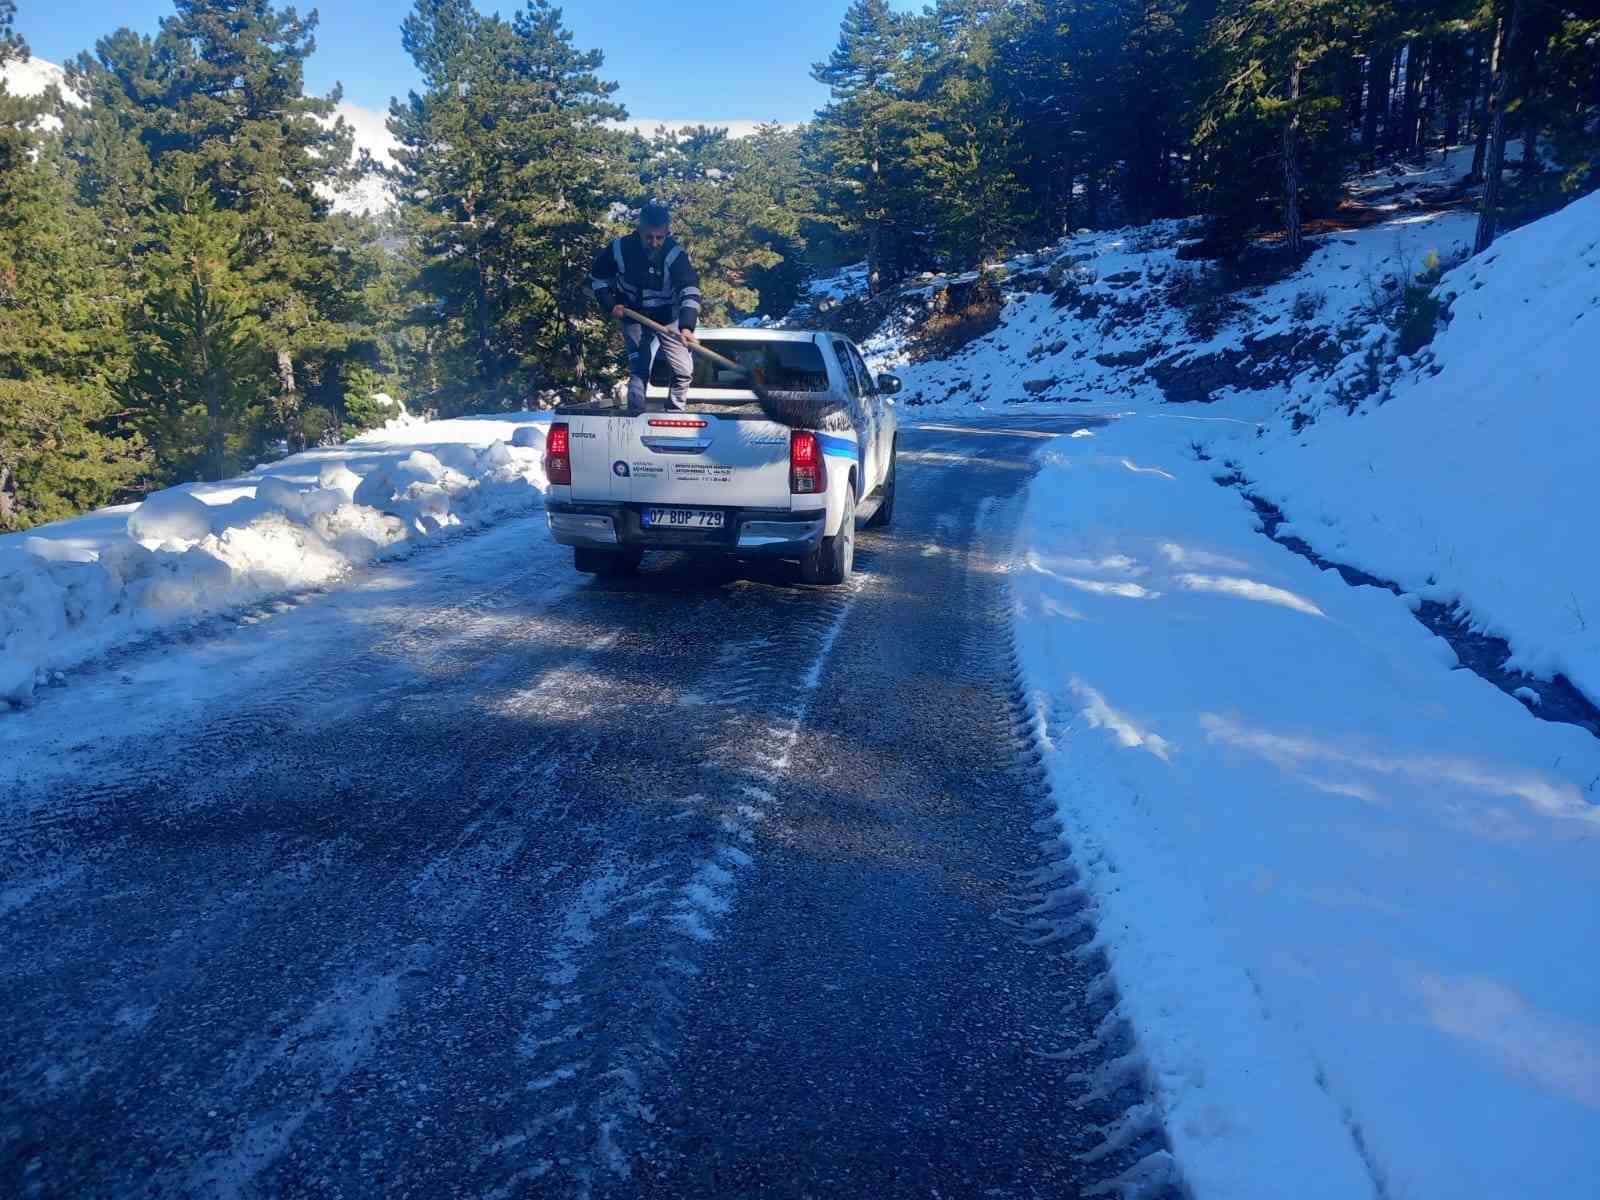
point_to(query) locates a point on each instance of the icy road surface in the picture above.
(483, 878)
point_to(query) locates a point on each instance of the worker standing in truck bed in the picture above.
(649, 272)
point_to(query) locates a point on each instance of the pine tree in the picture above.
(111, 139)
(554, 192)
(241, 122)
(736, 205)
(507, 169)
(61, 446)
(12, 47)
(442, 177)
(216, 101)
(860, 140)
(967, 155)
(199, 377)
(1277, 64)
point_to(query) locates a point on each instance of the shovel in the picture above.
(798, 410)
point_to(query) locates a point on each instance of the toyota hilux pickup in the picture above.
(721, 477)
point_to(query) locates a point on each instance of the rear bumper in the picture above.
(748, 531)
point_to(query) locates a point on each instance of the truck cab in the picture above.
(721, 477)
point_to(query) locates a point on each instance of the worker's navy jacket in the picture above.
(664, 290)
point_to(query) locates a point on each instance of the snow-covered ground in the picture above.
(72, 590)
(1475, 482)
(1350, 893)
(1462, 473)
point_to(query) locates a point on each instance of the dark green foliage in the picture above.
(361, 411)
(1420, 308)
(199, 379)
(507, 170)
(737, 205)
(63, 446)
(861, 143)
(213, 110)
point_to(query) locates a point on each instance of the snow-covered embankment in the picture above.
(75, 589)
(1475, 481)
(1350, 893)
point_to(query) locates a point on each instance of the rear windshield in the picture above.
(787, 366)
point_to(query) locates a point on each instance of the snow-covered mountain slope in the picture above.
(369, 194)
(1457, 472)
(1474, 481)
(31, 77)
(72, 590)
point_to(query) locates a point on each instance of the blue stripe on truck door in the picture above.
(834, 446)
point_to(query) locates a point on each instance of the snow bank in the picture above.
(1476, 482)
(172, 516)
(1348, 893)
(1464, 474)
(1118, 315)
(75, 589)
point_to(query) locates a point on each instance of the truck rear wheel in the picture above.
(606, 562)
(835, 557)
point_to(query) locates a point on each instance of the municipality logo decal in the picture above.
(620, 469)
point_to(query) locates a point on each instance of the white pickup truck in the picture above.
(721, 478)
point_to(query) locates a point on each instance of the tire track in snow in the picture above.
(632, 937)
(1125, 1145)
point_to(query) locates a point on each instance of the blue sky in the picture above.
(677, 60)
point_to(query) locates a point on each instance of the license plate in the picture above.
(683, 518)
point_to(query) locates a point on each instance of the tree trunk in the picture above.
(216, 434)
(1412, 97)
(480, 315)
(1380, 65)
(1486, 117)
(1393, 126)
(1427, 72)
(580, 365)
(1530, 127)
(1488, 213)
(8, 496)
(874, 256)
(1069, 206)
(1291, 167)
(288, 403)
(1464, 89)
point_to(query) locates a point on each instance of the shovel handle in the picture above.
(695, 347)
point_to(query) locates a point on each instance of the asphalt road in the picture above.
(480, 878)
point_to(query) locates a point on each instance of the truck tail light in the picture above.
(807, 473)
(558, 454)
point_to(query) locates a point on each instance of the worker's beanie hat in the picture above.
(654, 215)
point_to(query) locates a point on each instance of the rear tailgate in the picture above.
(699, 459)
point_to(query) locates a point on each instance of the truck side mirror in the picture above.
(888, 385)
